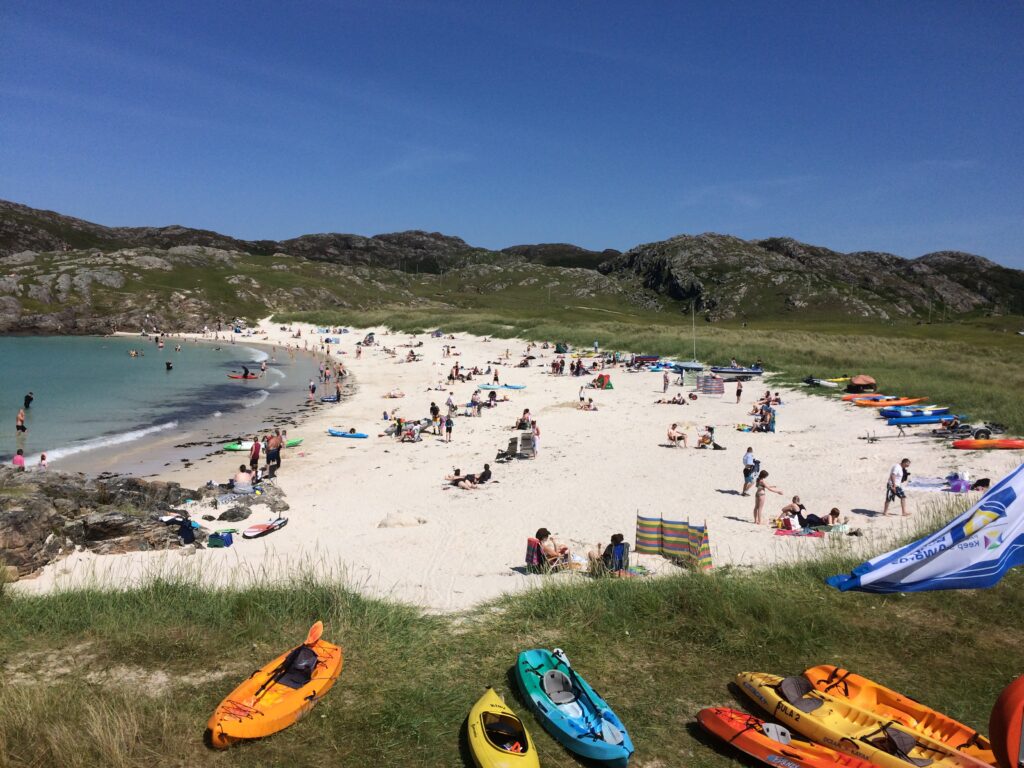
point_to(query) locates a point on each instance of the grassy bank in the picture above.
(977, 367)
(129, 678)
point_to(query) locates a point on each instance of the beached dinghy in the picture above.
(497, 738)
(869, 695)
(279, 694)
(771, 743)
(570, 710)
(835, 722)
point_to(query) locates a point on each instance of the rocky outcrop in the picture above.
(65, 275)
(44, 515)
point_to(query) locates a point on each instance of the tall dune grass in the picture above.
(128, 677)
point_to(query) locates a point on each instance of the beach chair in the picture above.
(619, 563)
(509, 453)
(526, 449)
(535, 560)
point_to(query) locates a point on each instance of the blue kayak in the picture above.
(899, 413)
(570, 710)
(908, 420)
(502, 386)
(342, 433)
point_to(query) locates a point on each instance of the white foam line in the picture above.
(255, 399)
(278, 372)
(103, 442)
(258, 355)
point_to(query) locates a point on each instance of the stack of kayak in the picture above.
(566, 706)
(831, 716)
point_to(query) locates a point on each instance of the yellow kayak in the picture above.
(869, 695)
(839, 379)
(834, 722)
(279, 694)
(497, 738)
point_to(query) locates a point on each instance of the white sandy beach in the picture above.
(595, 471)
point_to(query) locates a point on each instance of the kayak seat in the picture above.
(558, 687)
(795, 689)
(900, 743)
(299, 667)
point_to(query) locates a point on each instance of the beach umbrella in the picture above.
(974, 551)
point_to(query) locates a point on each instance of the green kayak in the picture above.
(247, 445)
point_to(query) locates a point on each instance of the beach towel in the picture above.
(800, 532)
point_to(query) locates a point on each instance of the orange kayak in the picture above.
(1005, 444)
(747, 734)
(1006, 725)
(889, 403)
(873, 697)
(279, 694)
(867, 396)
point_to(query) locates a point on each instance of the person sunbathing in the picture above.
(675, 436)
(588, 406)
(395, 394)
(465, 482)
(557, 555)
(676, 399)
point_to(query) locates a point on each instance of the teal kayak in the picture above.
(570, 710)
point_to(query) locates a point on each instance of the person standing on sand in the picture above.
(759, 494)
(435, 418)
(739, 390)
(254, 453)
(898, 475)
(450, 403)
(664, 382)
(274, 444)
(19, 422)
(750, 465)
(449, 422)
(312, 390)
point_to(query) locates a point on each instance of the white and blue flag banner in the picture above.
(974, 551)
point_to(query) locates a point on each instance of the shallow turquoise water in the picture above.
(91, 395)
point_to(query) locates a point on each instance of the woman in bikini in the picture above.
(759, 494)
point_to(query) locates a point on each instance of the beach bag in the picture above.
(219, 540)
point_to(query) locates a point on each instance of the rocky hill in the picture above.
(61, 274)
(730, 277)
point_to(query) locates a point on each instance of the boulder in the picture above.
(234, 514)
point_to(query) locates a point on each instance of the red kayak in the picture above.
(771, 743)
(240, 376)
(1006, 725)
(987, 445)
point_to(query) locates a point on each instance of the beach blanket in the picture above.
(804, 532)
(931, 484)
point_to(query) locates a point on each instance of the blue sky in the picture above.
(856, 125)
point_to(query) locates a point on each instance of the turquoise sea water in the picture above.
(91, 396)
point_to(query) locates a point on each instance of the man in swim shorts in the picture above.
(19, 422)
(898, 475)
